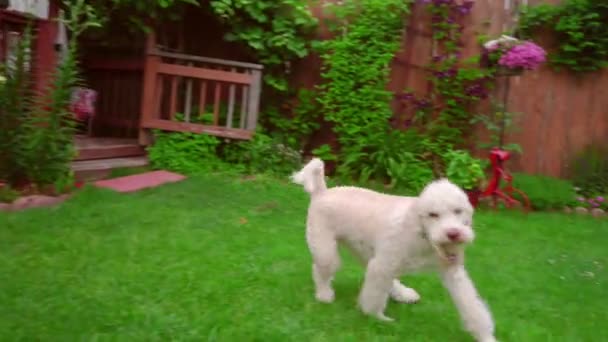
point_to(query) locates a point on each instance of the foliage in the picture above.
(263, 154)
(277, 31)
(496, 124)
(579, 30)
(324, 152)
(143, 12)
(49, 145)
(464, 170)
(185, 152)
(298, 120)
(356, 72)
(589, 171)
(14, 106)
(8, 194)
(544, 192)
(444, 116)
(37, 135)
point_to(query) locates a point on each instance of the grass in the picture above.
(221, 259)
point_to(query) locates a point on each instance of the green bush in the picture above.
(262, 154)
(545, 193)
(590, 171)
(464, 170)
(188, 153)
(7, 194)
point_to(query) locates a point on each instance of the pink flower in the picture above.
(526, 55)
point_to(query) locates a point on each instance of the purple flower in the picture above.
(466, 7)
(422, 103)
(405, 96)
(599, 199)
(581, 199)
(527, 55)
(476, 90)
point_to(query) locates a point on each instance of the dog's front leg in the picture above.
(474, 313)
(376, 287)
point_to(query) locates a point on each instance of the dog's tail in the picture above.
(312, 177)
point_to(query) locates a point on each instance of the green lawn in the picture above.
(220, 259)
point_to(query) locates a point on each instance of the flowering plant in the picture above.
(597, 202)
(513, 54)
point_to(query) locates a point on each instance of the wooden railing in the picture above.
(198, 94)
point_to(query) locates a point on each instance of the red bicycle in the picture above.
(505, 194)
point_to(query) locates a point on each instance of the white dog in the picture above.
(393, 235)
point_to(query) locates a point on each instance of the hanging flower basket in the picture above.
(511, 56)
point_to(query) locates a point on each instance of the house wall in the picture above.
(38, 8)
(15, 18)
(561, 113)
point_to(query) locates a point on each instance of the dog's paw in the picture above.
(383, 317)
(404, 294)
(488, 339)
(325, 296)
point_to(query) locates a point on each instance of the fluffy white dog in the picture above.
(393, 235)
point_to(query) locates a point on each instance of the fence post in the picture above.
(148, 103)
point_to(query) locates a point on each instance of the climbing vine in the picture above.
(356, 66)
(578, 28)
(445, 114)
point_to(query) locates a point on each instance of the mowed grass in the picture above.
(217, 258)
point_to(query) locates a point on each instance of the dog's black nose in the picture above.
(453, 234)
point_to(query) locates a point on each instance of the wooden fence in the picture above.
(210, 95)
(562, 113)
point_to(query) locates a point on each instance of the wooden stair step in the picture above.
(103, 148)
(89, 170)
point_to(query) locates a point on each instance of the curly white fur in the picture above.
(393, 235)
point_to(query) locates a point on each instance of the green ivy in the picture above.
(278, 32)
(579, 29)
(356, 67)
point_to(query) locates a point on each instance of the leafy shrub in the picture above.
(545, 192)
(296, 126)
(590, 171)
(263, 154)
(7, 194)
(189, 153)
(464, 170)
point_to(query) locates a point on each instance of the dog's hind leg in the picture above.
(403, 294)
(326, 261)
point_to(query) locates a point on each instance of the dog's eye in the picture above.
(433, 215)
(458, 211)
